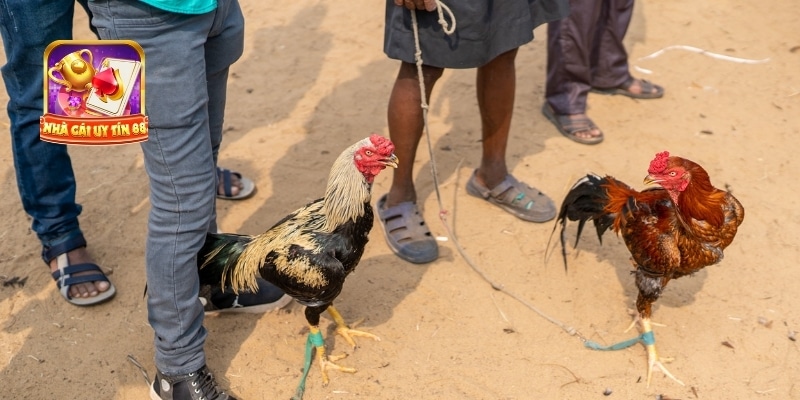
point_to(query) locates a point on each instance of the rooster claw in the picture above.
(653, 360)
(345, 331)
(637, 318)
(327, 363)
(656, 363)
(348, 334)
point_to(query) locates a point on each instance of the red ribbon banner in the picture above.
(93, 131)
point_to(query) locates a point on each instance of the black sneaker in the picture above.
(268, 298)
(198, 385)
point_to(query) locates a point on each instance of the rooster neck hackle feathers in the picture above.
(700, 200)
(347, 189)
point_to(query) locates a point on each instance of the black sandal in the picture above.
(64, 275)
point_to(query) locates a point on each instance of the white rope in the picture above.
(442, 212)
(704, 52)
(441, 8)
(698, 51)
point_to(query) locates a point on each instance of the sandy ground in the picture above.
(313, 80)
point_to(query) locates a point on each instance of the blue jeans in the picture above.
(186, 71)
(44, 173)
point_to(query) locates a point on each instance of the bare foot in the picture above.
(86, 289)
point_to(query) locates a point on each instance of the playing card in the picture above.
(112, 86)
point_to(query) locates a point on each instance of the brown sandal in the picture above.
(571, 127)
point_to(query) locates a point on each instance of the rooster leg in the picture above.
(345, 331)
(325, 362)
(636, 319)
(653, 361)
(315, 336)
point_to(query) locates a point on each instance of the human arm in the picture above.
(427, 5)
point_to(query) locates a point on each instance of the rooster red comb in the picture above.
(383, 145)
(659, 164)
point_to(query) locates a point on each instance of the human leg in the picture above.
(495, 84)
(231, 185)
(47, 189)
(404, 228)
(569, 43)
(223, 47)
(611, 72)
(569, 72)
(405, 121)
(179, 163)
(609, 58)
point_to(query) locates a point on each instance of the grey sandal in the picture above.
(517, 198)
(648, 90)
(406, 233)
(571, 126)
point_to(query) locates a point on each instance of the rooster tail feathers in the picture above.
(585, 201)
(219, 256)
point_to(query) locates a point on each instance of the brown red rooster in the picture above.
(309, 253)
(671, 231)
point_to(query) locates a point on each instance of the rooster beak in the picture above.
(649, 180)
(391, 161)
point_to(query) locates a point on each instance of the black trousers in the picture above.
(585, 50)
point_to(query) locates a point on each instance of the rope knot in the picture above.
(441, 8)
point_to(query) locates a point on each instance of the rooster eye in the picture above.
(368, 153)
(673, 173)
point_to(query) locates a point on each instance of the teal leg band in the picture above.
(314, 340)
(647, 338)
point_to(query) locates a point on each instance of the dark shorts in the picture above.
(484, 30)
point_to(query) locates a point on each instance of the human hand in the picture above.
(427, 5)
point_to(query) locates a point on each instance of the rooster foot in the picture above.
(653, 362)
(637, 318)
(343, 330)
(348, 334)
(327, 363)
